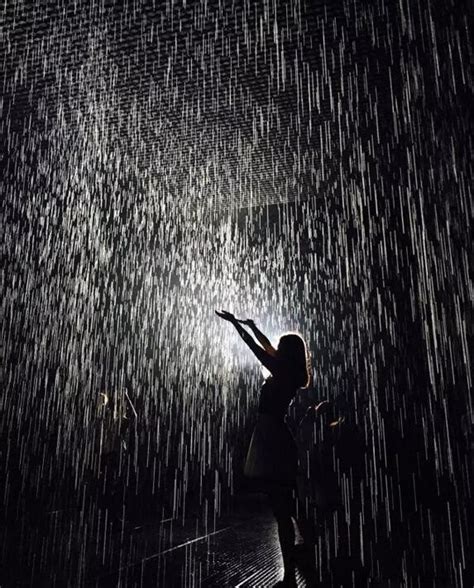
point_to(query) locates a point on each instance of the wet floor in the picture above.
(240, 550)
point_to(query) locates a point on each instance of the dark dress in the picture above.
(272, 456)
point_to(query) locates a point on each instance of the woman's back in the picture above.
(276, 394)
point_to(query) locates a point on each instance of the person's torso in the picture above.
(276, 395)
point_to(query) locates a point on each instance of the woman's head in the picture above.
(292, 349)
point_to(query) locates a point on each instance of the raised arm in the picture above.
(261, 338)
(265, 358)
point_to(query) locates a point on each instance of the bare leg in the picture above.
(281, 501)
(305, 553)
(306, 523)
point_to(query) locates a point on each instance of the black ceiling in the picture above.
(232, 103)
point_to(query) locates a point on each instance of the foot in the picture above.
(289, 579)
(286, 583)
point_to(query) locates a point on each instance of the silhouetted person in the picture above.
(272, 457)
(334, 486)
(116, 441)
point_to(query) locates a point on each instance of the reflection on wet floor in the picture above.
(240, 550)
(244, 553)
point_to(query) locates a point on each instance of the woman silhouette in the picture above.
(272, 455)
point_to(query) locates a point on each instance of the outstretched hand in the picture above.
(227, 316)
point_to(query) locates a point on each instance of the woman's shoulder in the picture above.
(283, 369)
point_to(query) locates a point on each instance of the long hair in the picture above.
(292, 350)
